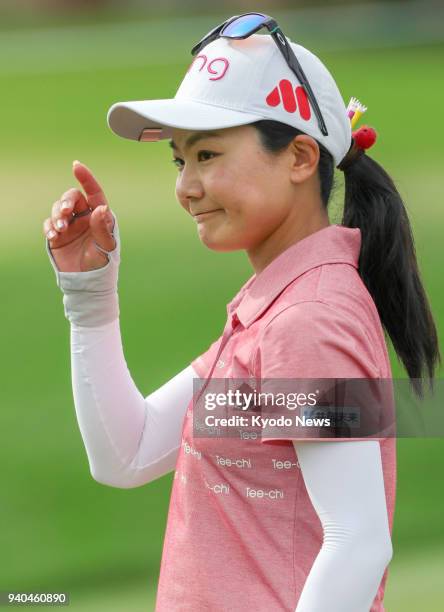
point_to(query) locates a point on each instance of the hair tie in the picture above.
(362, 139)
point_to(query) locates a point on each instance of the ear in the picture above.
(304, 158)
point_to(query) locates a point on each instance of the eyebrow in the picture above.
(191, 140)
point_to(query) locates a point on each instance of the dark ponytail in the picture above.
(387, 262)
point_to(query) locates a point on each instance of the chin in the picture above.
(220, 243)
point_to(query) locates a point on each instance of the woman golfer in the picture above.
(257, 128)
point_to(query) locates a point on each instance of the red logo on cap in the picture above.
(285, 93)
(218, 69)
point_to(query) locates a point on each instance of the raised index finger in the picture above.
(93, 191)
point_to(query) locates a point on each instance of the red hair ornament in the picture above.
(362, 139)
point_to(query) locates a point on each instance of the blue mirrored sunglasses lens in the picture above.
(243, 25)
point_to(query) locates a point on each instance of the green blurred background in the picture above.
(62, 65)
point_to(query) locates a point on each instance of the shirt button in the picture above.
(220, 363)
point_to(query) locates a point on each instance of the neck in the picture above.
(285, 236)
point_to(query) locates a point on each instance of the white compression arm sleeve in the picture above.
(130, 440)
(346, 487)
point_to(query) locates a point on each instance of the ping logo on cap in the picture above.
(291, 98)
(217, 66)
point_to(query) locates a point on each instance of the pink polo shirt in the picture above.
(242, 533)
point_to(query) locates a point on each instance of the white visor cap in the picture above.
(234, 82)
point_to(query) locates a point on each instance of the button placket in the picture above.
(218, 362)
(225, 337)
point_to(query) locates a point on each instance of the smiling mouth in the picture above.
(205, 213)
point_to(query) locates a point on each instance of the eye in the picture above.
(205, 153)
(177, 161)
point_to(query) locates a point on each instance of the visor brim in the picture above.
(130, 119)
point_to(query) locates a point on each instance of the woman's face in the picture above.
(238, 194)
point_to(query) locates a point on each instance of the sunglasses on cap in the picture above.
(242, 26)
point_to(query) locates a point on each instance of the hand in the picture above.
(72, 244)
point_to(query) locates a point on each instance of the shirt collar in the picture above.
(331, 244)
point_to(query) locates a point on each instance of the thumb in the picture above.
(101, 225)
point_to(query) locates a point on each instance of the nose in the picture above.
(188, 187)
